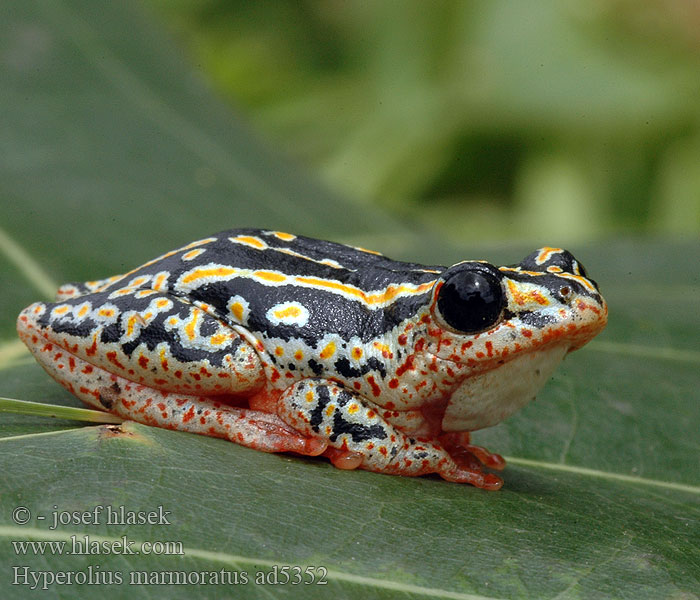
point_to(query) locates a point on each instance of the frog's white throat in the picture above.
(486, 399)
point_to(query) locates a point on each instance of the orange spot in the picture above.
(329, 411)
(357, 353)
(279, 351)
(353, 408)
(215, 272)
(270, 276)
(237, 309)
(521, 298)
(385, 350)
(328, 351)
(190, 328)
(289, 311)
(298, 355)
(287, 237)
(249, 240)
(220, 338)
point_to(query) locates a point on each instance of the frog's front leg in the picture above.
(358, 436)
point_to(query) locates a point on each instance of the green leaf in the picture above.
(111, 152)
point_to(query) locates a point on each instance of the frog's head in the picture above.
(505, 329)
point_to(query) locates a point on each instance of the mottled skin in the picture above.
(285, 343)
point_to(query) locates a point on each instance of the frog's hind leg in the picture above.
(153, 359)
(358, 436)
(105, 391)
(206, 416)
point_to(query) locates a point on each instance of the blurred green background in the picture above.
(490, 120)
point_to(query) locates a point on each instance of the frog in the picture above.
(289, 344)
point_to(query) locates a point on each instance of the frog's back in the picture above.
(285, 285)
(300, 255)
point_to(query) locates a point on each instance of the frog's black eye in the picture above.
(471, 299)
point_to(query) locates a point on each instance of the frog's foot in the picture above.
(463, 452)
(358, 437)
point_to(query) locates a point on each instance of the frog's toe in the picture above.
(458, 446)
(344, 459)
(485, 481)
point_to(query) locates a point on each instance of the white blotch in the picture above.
(288, 313)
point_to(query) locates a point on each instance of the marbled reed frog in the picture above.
(285, 343)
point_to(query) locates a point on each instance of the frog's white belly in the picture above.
(485, 400)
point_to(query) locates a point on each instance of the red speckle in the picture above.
(196, 376)
(376, 391)
(160, 381)
(390, 406)
(408, 365)
(71, 364)
(489, 348)
(202, 420)
(189, 415)
(223, 375)
(394, 383)
(178, 374)
(87, 370)
(526, 332)
(143, 361)
(425, 319)
(161, 405)
(84, 390)
(371, 414)
(480, 355)
(383, 451)
(92, 349)
(403, 339)
(275, 375)
(357, 385)
(112, 357)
